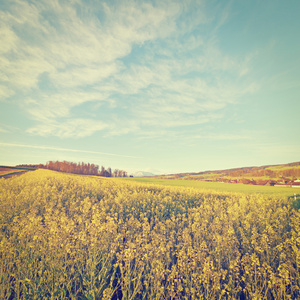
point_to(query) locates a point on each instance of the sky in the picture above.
(157, 86)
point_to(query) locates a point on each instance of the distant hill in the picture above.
(241, 170)
(279, 175)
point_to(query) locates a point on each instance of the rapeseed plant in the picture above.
(67, 236)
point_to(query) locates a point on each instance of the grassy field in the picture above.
(6, 170)
(221, 187)
(281, 168)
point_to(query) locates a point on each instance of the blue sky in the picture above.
(160, 86)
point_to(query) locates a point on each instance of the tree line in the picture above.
(79, 168)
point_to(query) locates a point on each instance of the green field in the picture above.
(222, 187)
(9, 171)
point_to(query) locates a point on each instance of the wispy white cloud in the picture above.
(9, 37)
(82, 76)
(5, 93)
(194, 136)
(59, 105)
(62, 55)
(8, 128)
(69, 128)
(62, 149)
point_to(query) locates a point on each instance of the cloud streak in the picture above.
(63, 149)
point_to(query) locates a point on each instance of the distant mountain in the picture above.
(142, 174)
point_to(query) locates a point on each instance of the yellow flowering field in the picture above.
(68, 236)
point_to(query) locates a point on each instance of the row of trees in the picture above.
(80, 168)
